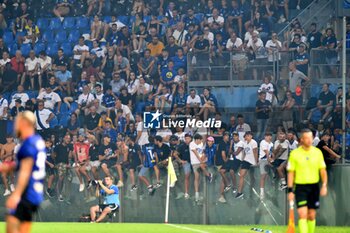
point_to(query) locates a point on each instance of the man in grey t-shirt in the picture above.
(295, 83)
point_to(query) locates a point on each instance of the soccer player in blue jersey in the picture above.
(30, 167)
(150, 160)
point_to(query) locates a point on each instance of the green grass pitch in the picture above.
(159, 228)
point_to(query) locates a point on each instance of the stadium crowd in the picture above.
(89, 78)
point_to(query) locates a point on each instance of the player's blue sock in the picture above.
(311, 226)
(303, 227)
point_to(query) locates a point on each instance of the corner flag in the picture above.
(171, 173)
(291, 224)
(171, 182)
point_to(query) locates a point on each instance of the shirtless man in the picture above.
(122, 155)
(7, 155)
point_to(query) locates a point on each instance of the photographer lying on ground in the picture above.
(110, 194)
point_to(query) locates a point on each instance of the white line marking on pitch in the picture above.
(186, 228)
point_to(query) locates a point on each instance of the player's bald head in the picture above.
(28, 117)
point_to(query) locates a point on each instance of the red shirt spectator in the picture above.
(17, 63)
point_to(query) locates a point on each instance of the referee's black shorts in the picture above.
(307, 195)
(24, 211)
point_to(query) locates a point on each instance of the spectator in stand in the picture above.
(261, 26)
(330, 157)
(274, 47)
(97, 27)
(64, 77)
(314, 40)
(190, 20)
(4, 107)
(91, 7)
(73, 124)
(201, 56)
(122, 67)
(16, 109)
(263, 109)
(117, 83)
(297, 83)
(147, 65)
(115, 25)
(108, 64)
(81, 161)
(31, 70)
(156, 47)
(325, 104)
(250, 159)
(280, 156)
(265, 159)
(180, 34)
(84, 101)
(242, 127)
(139, 38)
(235, 17)
(59, 60)
(209, 104)
(43, 119)
(5, 59)
(329, 43)
(193, 102)
(256, 50)
(81, 52)
(45, 63)
(172, 46)
(302, 59)
(268, 88)
(9, 79)
(288, 111)
(168, 74)
(32, 33)
(50, 99)
(216, 18)
(91, 122)
(62, 9)
(293, 46)
(19, 95)
(62, 154)
(222, 161)
(108, 99)
(198, 160)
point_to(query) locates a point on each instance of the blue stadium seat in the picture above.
(20, 34)
(8, 37)
(199, 16)
(74, 36)
(67, 48)
(82, 22)
(43, 23)
(107, 19)
(132, 20)
(160, 17)
(124, 19)
(89, 44)
(32, 94)
(64, 120)
(64, 108)
(52, 49)
(146, 18)
(48, 36)
(61, 36)
(12, 48)
(55, 24)
(25, 49)
(10, 127)
(39, 47)
(69, 23)
(54, 122)
(73, 107)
